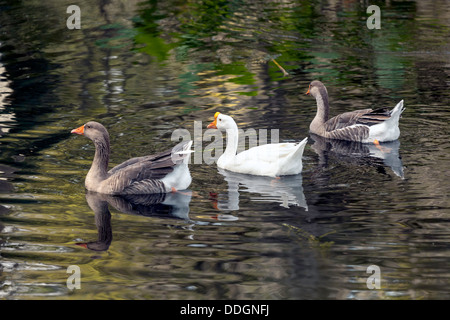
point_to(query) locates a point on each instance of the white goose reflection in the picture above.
(385, 154)
(167, 205)
(285, 190)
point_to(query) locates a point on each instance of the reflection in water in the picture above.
(385, 154)
(166, 205)
(212, 56)
(286, 190)
(5, 91)
(6, 174)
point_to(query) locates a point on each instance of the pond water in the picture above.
(147, 68)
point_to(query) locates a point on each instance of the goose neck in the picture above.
(99, 166)
(322, 107)
(232, 142)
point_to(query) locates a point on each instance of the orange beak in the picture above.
(79, 130)
(213, 125)
(307, 92)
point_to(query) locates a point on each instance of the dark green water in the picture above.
(147, 68)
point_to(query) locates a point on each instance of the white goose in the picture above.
(379, 125)
(273, 160)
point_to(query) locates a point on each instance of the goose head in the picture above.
(222, 122)
(317, 89)
(94, 131)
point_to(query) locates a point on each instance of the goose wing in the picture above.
(368, 117)
(142, 175)
(144, 164)
(355, 125)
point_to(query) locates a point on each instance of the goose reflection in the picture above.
(167, 205)
(385, 154)
(286, 190)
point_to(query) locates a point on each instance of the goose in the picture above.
(287, 191)
(159, 173)
(174, 205)
(366, 126)
(273, 160)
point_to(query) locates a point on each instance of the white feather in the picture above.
(266, 160)
(387, 130)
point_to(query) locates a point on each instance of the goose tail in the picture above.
(293, 163)
(301, 146)
(181, 152)
(397, 111)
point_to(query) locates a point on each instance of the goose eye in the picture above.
(220, 119)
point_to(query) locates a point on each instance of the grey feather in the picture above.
(140, 175)
(353, 125)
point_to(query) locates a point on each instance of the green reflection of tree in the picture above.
(195, 23)
(148, 34)
(230, 34)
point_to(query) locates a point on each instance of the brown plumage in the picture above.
(141, 175)
(354, 125)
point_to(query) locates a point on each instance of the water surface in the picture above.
(146, 68)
